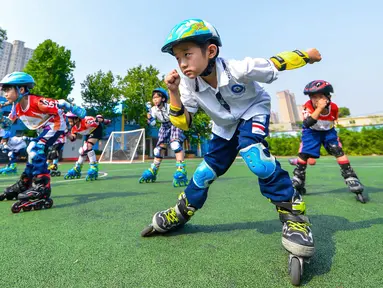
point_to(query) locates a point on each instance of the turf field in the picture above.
(91, 236)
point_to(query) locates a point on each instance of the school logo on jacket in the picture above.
(238, 89)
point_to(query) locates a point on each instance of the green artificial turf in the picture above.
(91, 236)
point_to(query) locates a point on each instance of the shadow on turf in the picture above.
(92, 197)
(317, 190)
(324, 229)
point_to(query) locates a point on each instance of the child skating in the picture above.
(33, 189)
(319, 115)
(168, 134)
(91, 128)
(229, 92)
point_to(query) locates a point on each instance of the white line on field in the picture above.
(70, 180)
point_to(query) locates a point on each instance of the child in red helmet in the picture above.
(90, 127)
(318, 129)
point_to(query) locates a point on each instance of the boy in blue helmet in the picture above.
(168, 134)
(320, 114)
(33, 189)
(229, 92)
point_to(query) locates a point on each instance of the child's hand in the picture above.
(172, 80)
(314, 55)
(322, 103)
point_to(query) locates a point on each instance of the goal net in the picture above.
(124, 147)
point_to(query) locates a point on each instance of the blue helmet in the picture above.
(196, 30)
(163, 92)
(18, 79)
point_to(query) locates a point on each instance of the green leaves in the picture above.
(136, 89)
(343, 112)
(201, 128)
(52, 69)
(100, 94)
(3, 36)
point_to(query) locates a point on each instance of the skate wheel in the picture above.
(27, 208)
(15, 208)
(142, 180)
(147, 180)
(295, 271)
(148, 231)
(38, 206)
(48, 203)
(53, 174)
(58, 174)
(360, 198)
(2, 197)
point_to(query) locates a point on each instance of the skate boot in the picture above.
(36, 197)
(149, 175)
(3, 169)
(11, 192)
(75, 172)
(353, 183)
(299, 179)
(297, 238)
(92, 172)
(180, 177)
(170, 219)
(53, 168)
(10, 169)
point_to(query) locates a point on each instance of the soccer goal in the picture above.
(124, 147)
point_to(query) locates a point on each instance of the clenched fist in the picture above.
(314, 55)
(172, 80)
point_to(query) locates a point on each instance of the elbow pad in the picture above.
(309, 121)
(290, 60)
(178, 118)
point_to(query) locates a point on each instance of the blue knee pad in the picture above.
(259, 160)
(204, 175)
(34, 149)
(176, 146)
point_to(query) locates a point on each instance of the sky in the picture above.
(117, 35)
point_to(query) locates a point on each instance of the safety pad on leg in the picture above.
(204, 175)
(259, 160)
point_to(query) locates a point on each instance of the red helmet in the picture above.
(70, 115)
(318, 86)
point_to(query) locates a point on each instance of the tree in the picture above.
(100, 93)
(344, 112)
(136, 88)
(200, 128)
(3, 37)
(52, 69)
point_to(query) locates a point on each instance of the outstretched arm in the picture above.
(295, 59)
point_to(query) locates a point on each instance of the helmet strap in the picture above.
(210, 66)
(21, 95)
